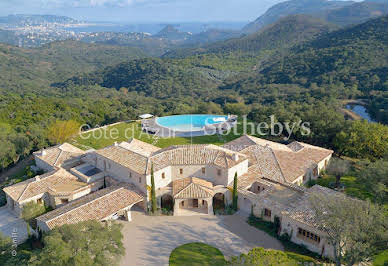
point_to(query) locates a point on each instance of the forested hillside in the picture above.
(283, 34)
(293, 7)
(291, 69)
(341, 13)
(25, 69)
(357, 57)
(153, 77)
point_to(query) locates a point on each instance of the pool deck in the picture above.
(152, 127)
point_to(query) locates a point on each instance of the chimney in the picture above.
(44, 153)
(235, 157)
(37, 178)
(116, 144)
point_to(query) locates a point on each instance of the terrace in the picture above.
(87, 172)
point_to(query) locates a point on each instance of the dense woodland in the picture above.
(298, 68)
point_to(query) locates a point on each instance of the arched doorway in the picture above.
(219, 203)
(167, 202)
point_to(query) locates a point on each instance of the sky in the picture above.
(142, 10)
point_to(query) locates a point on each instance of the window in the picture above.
(203, 170)
(267, 213)
(130, 174)
(64, 201)
(203, 202)
(140, 180)
(315, 171)
(163, 175)
(181, 171)
(218, 172)
(306, 235)
(39, 201)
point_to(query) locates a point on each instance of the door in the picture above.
(195, 203)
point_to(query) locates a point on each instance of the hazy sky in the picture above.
(142, 10)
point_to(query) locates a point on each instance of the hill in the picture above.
(171, 33)
(159, 78)
(350, 62)
(352, 56)
(356, 13)
(283, 34)
(36, 68)
(286, 32)
(293, 7)
(211, 36)
(340, 13)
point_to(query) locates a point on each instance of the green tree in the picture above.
(338, 168)
(363, 140)
(356, 229)
(236, 109)
(61, 131)
(235, 195)
(153, 194)
(374, 176)
(5, 248)
(31, 210)
(86, 243)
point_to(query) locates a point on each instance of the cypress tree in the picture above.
(153, 194)
(235, 196)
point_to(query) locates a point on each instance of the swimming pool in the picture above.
(190, 123)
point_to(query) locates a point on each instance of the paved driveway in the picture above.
(150, 240)
(12, 226)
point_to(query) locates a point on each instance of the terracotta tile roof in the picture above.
(279, 162)
(192, 188)
(253, 175)
(282, 197)
(245, 141)
(58, 180)
(125, 157)
(295, 164)
(302, 211)
(197, 155)
(266, 162)
(95, 206)
(140, 161)
(139, 147)
(60, 154)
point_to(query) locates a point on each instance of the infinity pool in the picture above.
(189, 123)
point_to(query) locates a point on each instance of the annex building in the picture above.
(189, 179)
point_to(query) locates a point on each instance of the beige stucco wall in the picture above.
(159, 181)
(240, 169)
(291, 226)
(322, 164)
(42, 164)
(120, 173)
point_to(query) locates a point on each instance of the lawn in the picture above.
(125, 131)
(196, 254)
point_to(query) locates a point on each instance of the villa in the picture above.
(189, 179)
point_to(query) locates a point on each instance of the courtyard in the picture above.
(150, 240)
(12, 226)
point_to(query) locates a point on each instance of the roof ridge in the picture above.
(59, 155)
(87, 203)
(277, 162)
(24, 190)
